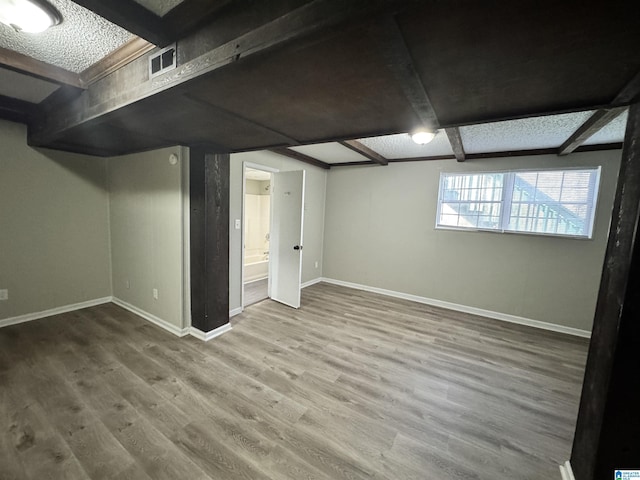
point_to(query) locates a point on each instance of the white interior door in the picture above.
(287, 193)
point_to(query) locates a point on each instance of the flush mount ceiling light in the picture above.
(31, 16)
(422, 136)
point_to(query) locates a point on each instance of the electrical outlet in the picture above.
(316, 264)
(155, 293)
(127, 284)
(237, 224)
(4, 294)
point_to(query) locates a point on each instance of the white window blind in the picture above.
(547, 202)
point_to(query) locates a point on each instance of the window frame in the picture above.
(507, 201)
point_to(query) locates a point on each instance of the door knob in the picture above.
(298, 247)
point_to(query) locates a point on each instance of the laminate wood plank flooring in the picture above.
(256, 291)
(353, 385)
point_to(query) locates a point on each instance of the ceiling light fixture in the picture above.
(31, 16)
(422, 136)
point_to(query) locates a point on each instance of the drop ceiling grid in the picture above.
(525, 134)
(330, 153)
(613, 132)
(24, 87)
(82, 39)
(401, 146)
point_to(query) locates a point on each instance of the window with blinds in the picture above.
(546, 202)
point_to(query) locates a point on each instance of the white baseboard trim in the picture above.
(566, 471)
(235, 311)
(53, 311)
(169, 327)
(206, 336)
(255, 279)
(505, 317)
(311, 282)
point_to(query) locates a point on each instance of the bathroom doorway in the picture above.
(257, 224)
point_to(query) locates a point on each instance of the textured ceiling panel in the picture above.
(78, 42)
(24, 87)
(159, 7)
(330, 153)
(526, 134)
(613, 132)
(401, 146)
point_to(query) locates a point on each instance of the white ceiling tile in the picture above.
(24, 87)
(526, 134)
(159, 7)
(330, 153)
(401, 146)
(78, 42)
(613, 132)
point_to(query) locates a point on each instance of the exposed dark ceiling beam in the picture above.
(592, 125)
(132, 17)
(311, 17)
(455, 139)
(17, 110)
(368, 163)
(364, 151)
(398, 58)
(602, 117)
(115, 60)
(630, 93)
(480, 156)
(300, 157)
(35, 68)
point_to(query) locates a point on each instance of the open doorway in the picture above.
(257, 224)
(272, 227)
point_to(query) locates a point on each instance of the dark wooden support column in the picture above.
(608, 427)
(209, 206)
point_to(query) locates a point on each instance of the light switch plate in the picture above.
(237, 224)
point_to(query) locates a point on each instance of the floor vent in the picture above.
(162, 61)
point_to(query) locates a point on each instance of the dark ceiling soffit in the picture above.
(455, 139)
(398, 59)
(35, 68)
(17, 110)
(314, 16)
(300, 157)
(186, 17)
(180, 21)
(592, 125)
(127, 53)
(132, 17)
(225, 113)
(364, 151)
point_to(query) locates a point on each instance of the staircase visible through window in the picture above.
(547, 202)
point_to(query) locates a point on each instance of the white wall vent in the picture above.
(162, 61)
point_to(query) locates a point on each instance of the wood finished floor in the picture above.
(352, 386)
(256, 291)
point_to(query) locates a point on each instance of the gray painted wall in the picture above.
(380, 232)
(313, 221)
(54, 228)
(146, 223)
